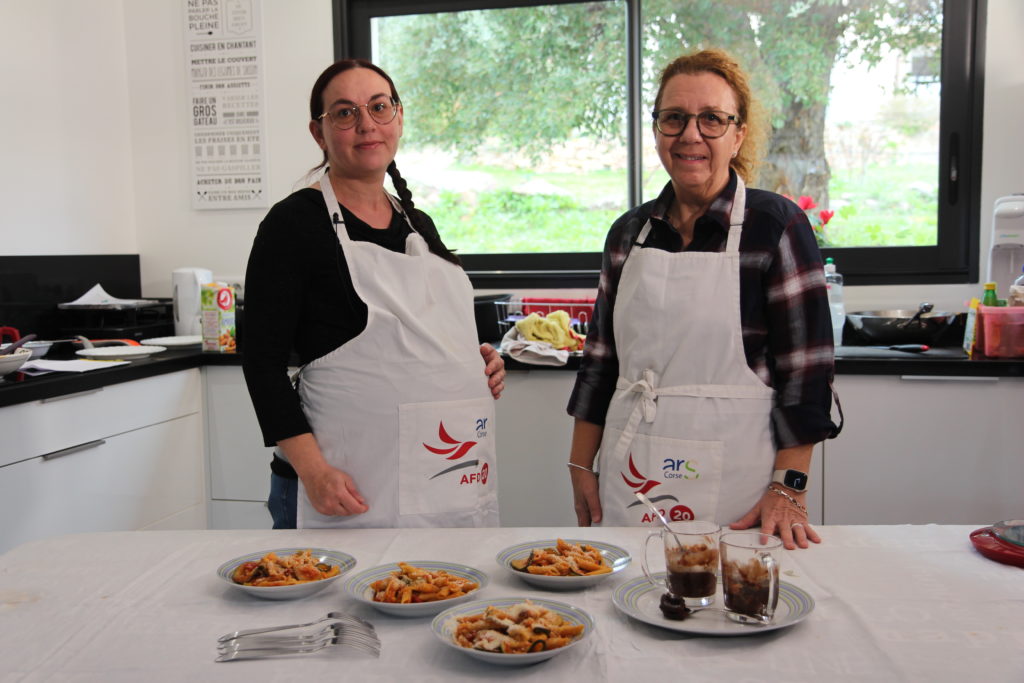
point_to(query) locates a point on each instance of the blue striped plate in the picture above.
(615, 556)
(444, 625)
(358, 587)
(298, 590)
(639, 599)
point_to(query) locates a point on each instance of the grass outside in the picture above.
(888, 205)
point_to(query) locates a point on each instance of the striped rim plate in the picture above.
(299, 590)
(444, 625)
(615, 556)
(358, 587)
(639, 599)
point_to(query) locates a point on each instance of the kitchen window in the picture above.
(527, 126)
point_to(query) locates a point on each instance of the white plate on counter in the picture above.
(639, 599)
(180, 341)
(358, 587)
(126, 352)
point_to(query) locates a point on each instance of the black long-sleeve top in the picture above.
(299, 297)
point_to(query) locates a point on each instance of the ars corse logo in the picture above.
(671, 469)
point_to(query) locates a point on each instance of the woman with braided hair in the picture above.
(390, 420)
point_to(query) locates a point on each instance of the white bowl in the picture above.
(616, 557)
(358, 587)
(38, 348)
(295, 591)
(444, 625)
(14, 360)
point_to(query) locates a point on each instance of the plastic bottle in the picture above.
(1016, 295)
(834, 285)
(989, 298)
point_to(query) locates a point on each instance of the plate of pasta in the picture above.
(286, 573)
(415, 588)
(563, 564)
(513, 631)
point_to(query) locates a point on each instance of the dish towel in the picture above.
(534, 352)
(552, 328)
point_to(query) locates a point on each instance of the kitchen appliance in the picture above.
(1007, 253)
(903, 326)
(186, 284)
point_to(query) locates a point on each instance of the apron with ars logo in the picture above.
(689, 423)
(404, 408)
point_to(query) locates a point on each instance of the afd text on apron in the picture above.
(404, 407)
(689, 424)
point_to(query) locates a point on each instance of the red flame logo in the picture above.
(642, 483)
(456, 448)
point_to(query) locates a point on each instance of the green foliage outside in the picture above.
(876, 207)
(524, 80)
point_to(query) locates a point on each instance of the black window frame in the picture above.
(953, 260)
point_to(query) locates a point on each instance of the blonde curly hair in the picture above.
(719, 62)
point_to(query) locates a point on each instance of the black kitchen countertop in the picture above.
(850, 360)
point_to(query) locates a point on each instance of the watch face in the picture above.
(795, 480)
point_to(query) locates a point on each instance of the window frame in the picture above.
(955, 259)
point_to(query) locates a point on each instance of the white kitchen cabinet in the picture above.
(919, 450)
(136, 464)
(239, 463)
(534, 434)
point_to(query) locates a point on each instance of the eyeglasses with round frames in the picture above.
(381, 109)
(710, 124)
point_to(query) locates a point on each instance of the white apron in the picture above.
(404, 407)
(689, 423)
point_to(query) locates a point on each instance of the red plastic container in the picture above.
(1002, 331)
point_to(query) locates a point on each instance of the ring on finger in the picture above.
(794, 524)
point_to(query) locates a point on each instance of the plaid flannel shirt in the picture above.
(787, 329)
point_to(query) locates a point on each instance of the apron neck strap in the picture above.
(739, 207)
(334, 209)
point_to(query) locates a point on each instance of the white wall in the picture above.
(67, 185)
(116, 179)
(297, 46)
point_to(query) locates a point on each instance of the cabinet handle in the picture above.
(74, 449)
(941, 378)
(77, 393)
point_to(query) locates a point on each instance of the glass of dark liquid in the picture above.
(691, 561)
(750, 575)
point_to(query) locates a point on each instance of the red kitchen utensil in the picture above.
(11, 332)
(994, 548)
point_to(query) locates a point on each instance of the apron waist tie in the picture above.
(647, 391)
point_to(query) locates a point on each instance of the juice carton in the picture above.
(217, 311)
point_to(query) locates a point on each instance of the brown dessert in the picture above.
(673, 607)
(746, 588)
(691, 570)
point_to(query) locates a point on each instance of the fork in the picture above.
(340, 617)
(339, 635)
(325, 632)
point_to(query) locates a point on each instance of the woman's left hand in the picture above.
(781, 518)
(494, 368)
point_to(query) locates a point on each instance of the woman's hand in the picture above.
(330, 490)
(494, 368)
(780, 517)
(585, 497)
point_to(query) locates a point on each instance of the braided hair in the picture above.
(428, 233)
(316, 109)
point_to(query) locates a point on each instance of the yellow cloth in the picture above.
(553, 329)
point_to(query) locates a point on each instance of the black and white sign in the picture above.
(224, 62)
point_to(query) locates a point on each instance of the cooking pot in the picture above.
(899, 326)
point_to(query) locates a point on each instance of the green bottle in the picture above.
(989, 298)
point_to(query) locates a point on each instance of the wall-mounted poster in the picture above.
(224, 55)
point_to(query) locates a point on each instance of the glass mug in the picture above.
(750, 575)
(691, 560)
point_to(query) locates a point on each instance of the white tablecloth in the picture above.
(893, 603)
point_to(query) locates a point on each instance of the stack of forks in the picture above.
(337, 628)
